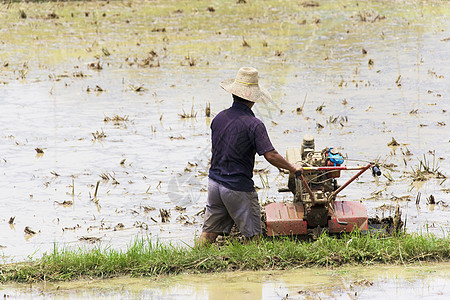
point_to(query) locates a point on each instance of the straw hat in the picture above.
(246, 86)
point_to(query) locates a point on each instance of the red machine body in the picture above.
(288, 218)
(285, 219)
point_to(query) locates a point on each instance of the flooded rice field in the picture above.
(103, 110)
(377, 282)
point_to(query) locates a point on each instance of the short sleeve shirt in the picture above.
(236, 136)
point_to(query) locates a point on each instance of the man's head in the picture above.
(246, 86)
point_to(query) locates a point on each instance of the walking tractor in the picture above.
(315, 207)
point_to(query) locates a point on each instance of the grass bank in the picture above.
(146, 258)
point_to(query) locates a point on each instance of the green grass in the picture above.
(145, 258)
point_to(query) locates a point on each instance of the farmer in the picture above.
(237, 135)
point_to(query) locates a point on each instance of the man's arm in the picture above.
(278, 161)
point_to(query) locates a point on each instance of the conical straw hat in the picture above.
(246, 86)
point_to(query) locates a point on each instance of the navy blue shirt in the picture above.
(237, 135)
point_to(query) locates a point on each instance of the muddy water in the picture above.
(376, 282)
(165, 59)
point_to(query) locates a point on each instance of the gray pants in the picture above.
(225, 207)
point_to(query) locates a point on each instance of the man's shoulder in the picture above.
(223, 113)
(255, 122)
(220, 116)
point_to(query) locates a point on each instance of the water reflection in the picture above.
(375, 282)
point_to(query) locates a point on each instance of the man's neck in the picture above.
(247, 103)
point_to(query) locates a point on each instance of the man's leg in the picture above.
(217, 220)
(245, 210)
(206, 238)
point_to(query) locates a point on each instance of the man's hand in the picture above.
(297, 168)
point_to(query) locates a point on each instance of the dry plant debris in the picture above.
(98, 135)
(29, 231)
(165, 215)
(393, 143)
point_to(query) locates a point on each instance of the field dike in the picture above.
(147, 258)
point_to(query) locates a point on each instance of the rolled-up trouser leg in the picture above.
(216, 220)
(226, 206)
